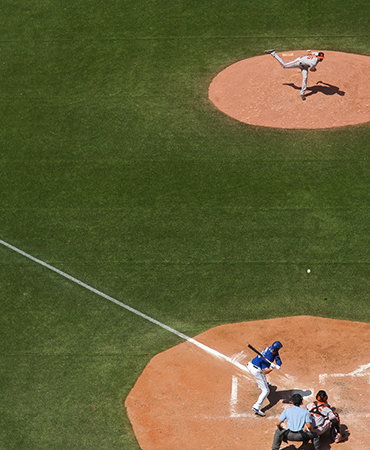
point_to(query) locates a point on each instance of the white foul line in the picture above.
(360, 372)
(204, 347)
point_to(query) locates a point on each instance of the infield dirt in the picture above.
(258, 91)
(189, 399)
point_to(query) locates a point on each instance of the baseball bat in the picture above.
(275, 366)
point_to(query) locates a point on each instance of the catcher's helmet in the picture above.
(322, 396)
(276, 346)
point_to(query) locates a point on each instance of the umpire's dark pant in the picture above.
(300, 436)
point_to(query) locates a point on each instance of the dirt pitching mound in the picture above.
(188, 399)
(258, 91)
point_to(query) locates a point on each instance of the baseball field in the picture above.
(118, 170)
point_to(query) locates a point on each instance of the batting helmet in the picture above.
(276, 346)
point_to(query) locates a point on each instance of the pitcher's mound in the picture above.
(258, 91)
(189, 399)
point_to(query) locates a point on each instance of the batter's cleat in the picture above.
(259, 412)
(272, 50)
(303, 97)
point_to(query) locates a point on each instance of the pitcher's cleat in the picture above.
(270, 51)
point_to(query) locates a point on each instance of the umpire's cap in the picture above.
(276, 346)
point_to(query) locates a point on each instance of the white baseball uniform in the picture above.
(261, 381)
(303, 62)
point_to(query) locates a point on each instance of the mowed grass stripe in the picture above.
(115, 165)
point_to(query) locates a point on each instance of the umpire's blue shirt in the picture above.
(296, 418)
(258, 361)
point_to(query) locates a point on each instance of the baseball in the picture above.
(308, 270)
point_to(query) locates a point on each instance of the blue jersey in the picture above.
(267, 353)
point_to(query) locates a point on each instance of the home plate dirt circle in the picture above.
(189, 399)
(258, 91)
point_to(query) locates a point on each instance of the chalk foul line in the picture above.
(362, 371)
(183, 336)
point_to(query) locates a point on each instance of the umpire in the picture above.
(299, 425)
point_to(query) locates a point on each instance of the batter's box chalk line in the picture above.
(240, 357)
(362, 371)
(238, 408)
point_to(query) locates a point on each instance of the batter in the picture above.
(259, 368)
(305, 63)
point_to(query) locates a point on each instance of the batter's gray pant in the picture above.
(293, 65)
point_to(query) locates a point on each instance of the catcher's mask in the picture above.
(321, 396)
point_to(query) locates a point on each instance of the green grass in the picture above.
(117, 169)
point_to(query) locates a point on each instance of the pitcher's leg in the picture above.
(293, 64)
(277, 57)
(288, 65)
(304, 83)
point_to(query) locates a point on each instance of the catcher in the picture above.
(325, 417)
